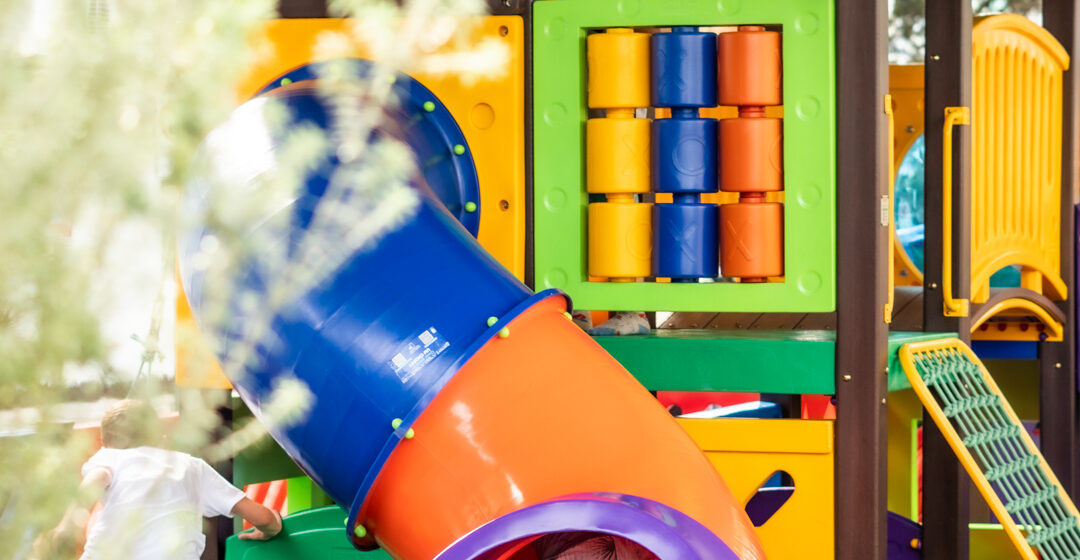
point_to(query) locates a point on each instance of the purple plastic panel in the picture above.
(667, 533)
(904, 532)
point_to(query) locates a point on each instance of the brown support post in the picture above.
(302, 9)
(946, 487)
(1057, 361)
(862, 249)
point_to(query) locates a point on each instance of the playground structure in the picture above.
(668, 142)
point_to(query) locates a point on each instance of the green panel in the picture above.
(897, 380)
(262, 462)
(760, 361)
(713, 360)
(809, 153)
(316, 533)
(304, 494)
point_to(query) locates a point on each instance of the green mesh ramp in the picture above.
(994, 448)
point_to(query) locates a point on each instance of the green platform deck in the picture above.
(315, 533)
(758, 361)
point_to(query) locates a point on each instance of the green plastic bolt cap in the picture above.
(395, 423)
(409, 433)
(568, 315)
(492, 320)
(285, 81)
(459, 149)
(429, 106)
(505, 332)
(360, 531)
(470, 206)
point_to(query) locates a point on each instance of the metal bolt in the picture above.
(933, 285)
(1058, 365)
(935, 57)
(882, 401)
(847, 378)
(910, 130)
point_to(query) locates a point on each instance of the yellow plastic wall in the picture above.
(1016, 154)
(746, 452)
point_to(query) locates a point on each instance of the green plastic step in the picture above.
(759, 361)
(315, 533)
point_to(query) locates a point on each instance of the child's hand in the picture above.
(266, 533)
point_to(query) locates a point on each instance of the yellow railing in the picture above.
(953, 307)
(889, 217)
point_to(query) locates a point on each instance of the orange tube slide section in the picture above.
(540, 414)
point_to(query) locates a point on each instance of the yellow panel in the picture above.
(1016, 154)
(195, 363)
(906, 89)
(906, 86)
(746, 452)
(989, 542)
(904, 407)
(490, 112)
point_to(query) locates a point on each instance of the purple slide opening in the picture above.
(666, 532)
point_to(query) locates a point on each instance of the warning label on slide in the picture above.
(418, 352)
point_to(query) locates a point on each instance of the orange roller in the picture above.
(618, 69)
(750, 71)
(751, 155)
(752, 240)
(617, 155)
(620, 238)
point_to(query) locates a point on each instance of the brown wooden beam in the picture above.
(1058, 407)
(946, 487)
(862, 249)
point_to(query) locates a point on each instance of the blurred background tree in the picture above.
(907, 26)
(103, 107)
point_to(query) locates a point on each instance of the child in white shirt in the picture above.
(154, 499)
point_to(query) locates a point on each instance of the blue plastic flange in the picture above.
(428, 128)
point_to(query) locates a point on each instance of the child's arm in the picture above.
(67, 534)
(267, 522)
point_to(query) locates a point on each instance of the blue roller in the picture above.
(684, 68)
(686, 244)
(380, 337)
(684, 155)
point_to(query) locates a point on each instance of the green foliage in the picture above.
(103, 109)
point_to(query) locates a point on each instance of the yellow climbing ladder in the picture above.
(994, 448)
